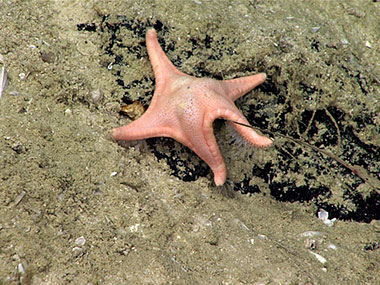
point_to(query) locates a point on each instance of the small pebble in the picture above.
(48, 56)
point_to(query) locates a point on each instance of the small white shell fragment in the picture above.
(19, 197)
(368, 44)
(114, 173)
(324, 216)
(80, 241)
(237, 221)
(22, 75)
(320, 258)
(77, 251)
(332, 246)
(330, 223)
(310, 234)
(68, 112)
(3, 80)
(96, 95)
(20, 268)
(134, 228)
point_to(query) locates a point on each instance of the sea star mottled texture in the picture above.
(184, 108)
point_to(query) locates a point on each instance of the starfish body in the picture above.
(184, 108)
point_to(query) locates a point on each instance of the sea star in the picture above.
(184, 108)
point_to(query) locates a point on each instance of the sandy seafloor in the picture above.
(78, 208)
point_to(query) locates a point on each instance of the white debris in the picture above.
(22, 75)
(96, 95)
(237, 221)
(68, 112)
(310, 234)
(77, 251)
(368, 44)
(19, 197)
(324, 216)
(80, 241)
(3, 80)
(20, 268)
(332, 246)
(134, 228)
(320, 258)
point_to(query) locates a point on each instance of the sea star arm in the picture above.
(236, 88)
(215, 159)
(250, 135)
(163, 68)
(149, 125)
